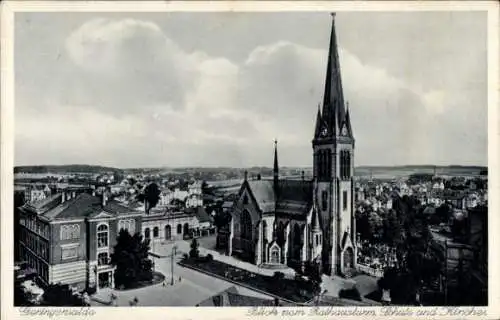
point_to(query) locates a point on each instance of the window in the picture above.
(168, 232)
(128, 225)
(246, 225)
(102, 259)
(147, 233)
(345, 164)
(70, 252)
(102, 236)
(324, 200)
(317, 240)
(275, 255)
(344, 200)
(156, 232)
(69, 232)
(179, 229)
(245, 199)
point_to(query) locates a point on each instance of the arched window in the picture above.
(348, 164)
(179, 228)
(297, 235)
(281, 233)
(245, 199)
(147, 233)
(102, 236)
(246, 225)
(156, 232)
(328, 164)
(186, 229)
(264, 230)
(168, 232)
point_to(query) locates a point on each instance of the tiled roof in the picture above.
(263, 192)
(294, 196)
(85, 205)
(43, 205)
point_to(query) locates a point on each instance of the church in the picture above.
(279, 222)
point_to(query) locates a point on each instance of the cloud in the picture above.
(141, 100)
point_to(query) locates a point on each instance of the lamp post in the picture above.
(319, 296)
(174, 249)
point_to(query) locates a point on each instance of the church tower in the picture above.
(333, 148)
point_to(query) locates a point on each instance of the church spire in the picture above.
(333, 100)
(317, 129)
(276, 168)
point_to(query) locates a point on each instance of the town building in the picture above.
(290, 222)
(68, 237)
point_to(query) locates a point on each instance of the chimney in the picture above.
(246, 175)
(302, 175)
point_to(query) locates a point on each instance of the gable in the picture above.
(102, 215)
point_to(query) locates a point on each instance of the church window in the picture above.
(344, 200)
(264, 230)
(345, 164)
(317, 240)
(246, 225)
(245, 199)
(328, 164)
(275, 255)
(324, 200)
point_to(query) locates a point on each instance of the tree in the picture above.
(392, 229)
(151, 196)
(312, 270)
(131, 258)
(194, 252)
(59, 295)
(443, 212)
(376, 225)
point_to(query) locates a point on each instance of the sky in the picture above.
(216, 89)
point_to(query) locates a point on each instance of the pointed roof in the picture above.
(333, 100)
(319, 123)
(347, 122)
(276, 167)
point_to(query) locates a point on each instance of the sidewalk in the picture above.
(183, 246)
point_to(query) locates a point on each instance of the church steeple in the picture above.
(333, 100)
(276, 168)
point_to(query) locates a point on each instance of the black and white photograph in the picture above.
(250, 159)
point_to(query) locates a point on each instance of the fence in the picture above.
(370, 271)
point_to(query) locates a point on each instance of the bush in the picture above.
(209, 258)
(277, 276)
(185, 256)
(194, 252)
(91, 290)
(352, 294)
